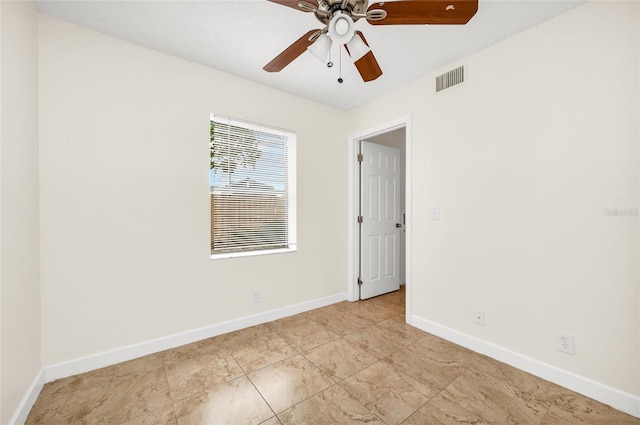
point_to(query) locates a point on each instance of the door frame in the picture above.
(354, 196)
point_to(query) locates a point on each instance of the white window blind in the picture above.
(253, 187)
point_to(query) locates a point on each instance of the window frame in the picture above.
(291, 171)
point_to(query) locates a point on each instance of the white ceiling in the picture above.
(241, 36)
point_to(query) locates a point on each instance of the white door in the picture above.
(380, 211)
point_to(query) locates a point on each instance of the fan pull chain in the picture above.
(340, 80)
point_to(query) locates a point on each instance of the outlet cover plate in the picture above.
(566, 343)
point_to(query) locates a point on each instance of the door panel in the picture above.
(390, 264)
(379, 237)
(374, 254)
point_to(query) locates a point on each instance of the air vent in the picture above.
(450, 79)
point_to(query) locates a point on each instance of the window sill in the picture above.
(253, 253)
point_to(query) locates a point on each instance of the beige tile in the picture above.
(440, 411)
(391, 302)
(340, 321)
(388, 393)
(101, 378)
(59, 400)
(194, 374)
(332, 406)
(262, 351)
(323, 311)
(234, 402)
(121, 370)
(396, 308)
(556, 416)
(139, 365)
(164, 416)
(344, 304)
(60, 390)
(41, 415)
(397, 297)
(440, 348)
(369, 311)
(191, 356)
(289, 382)
(243, 335)
(286, 322)
(398, 325)
(55, 402)
(340, 359)
(570, 407)
(123, 399)
(430, 368)
(377, 341)
(531, 386)
(307, 335)
(493, 400)
(272, 421)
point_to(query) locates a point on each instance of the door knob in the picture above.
(398, 225)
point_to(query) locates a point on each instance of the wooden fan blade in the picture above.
(289, 54)
(421, 12)
(293, 3)
(367, 65)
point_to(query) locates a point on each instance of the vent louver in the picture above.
(450, 79)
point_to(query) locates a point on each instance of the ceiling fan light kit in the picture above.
(340, 16)
(357, 48)
(341, 28)
(321, 47)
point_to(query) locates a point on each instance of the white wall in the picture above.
(522, 160)
(19, 217)
(125, 196)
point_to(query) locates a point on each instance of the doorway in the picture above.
(389, 137)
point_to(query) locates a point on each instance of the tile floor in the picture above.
(348, 363)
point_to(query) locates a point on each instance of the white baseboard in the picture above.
(118, 355)
(615, 398)
(28, 400)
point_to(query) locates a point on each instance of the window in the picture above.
(253, 188)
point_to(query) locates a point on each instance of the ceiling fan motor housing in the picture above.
(328, 8)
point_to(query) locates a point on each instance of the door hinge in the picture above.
(360, 219)
(359, 282)
(360, 157)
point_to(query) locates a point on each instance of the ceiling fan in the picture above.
(339, 17)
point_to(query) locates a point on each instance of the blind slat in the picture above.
(253, 187)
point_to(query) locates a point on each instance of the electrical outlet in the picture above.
(565, 343)
(255, 297)
(478, 318)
